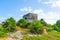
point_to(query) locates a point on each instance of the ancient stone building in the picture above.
(30, 17)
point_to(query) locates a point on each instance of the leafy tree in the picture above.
(35, 27)
(10, 24)
(29, 24)
(58, 23)
(49, 28)
(55, 27)
(22, 23)
(43, 22)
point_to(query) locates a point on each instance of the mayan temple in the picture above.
(30, 17)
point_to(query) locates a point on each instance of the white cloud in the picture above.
(38, 11)
(53, 3)
(29, 9)
(26, 9)
(49, 17)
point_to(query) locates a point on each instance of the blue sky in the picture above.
(47, 9)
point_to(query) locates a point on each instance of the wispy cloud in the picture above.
(26, 9)
(52, 3)
(37, 11)
(49, 17)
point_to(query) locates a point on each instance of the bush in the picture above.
(35, 27)
(10, 24)
(49, 29)
(43, 22)
(55, 27)
(22, 23)
(3, 32)
(58, 23)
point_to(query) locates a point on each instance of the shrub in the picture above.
(3, 32)
(55, 27)
(22, 23)
(10, 24)
(49, 29)
(35, 27)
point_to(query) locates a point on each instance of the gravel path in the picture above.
(15, 36)
(18, 36)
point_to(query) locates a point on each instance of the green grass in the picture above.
(50, 36)
(54, 35)
(45, 37)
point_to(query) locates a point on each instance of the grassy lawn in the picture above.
(49, 36)
(54, 35)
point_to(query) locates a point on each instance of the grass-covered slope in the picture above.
(49, 36)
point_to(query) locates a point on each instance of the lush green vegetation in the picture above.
(35, 27)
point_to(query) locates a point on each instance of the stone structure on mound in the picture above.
(30, 17)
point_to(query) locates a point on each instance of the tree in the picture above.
(10, 24)
(55, 27)
(58, 23)
(49, 28)
(35, 27)
(29, 24)
(22, 23)
(43, 22)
